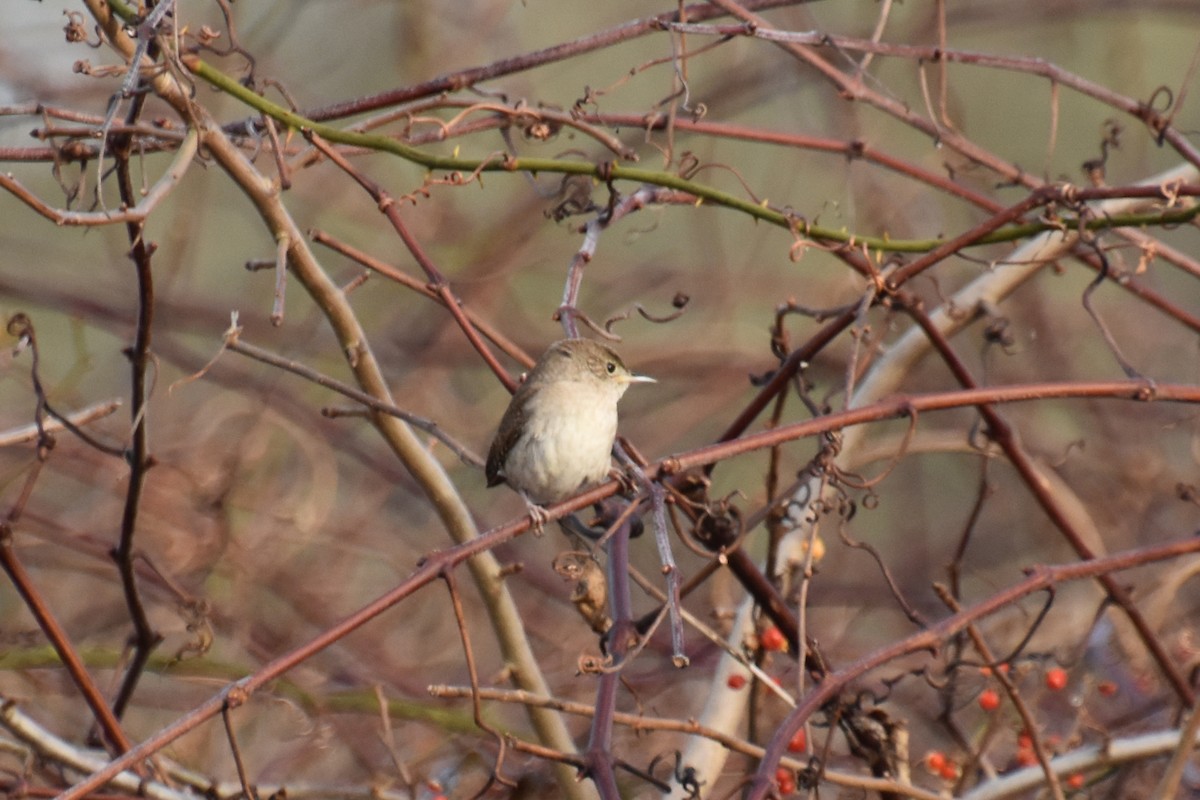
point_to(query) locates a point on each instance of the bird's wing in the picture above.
(506, 437)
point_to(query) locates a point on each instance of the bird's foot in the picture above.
(627, 481)
(538, 517)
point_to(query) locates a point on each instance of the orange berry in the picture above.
(935, 760)
(1056, 679)
(1075, 781)
(798, 743)
(949, 771)
(989, 699)
(1026, 757)
(736, 681)
(773, 639)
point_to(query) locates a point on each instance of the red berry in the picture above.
(1075, 781)
(787, 787)
(773, 639)
(1026, 757)
(1056, 679)
(935, 761)
(1106, 688)
(799, 742)
(949, 771)
(736, 681)
(783, 774)
(989, 699)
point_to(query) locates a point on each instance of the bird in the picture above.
(556, 435)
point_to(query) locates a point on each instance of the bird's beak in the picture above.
(640, 379)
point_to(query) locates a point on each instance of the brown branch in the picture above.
(460, 620)
(599, 756)
(236, 751)
(387, 205)
(29, 433)
(131, 212)
(493, 334)
(145, 638)
(904, 405)
(114, 736)
(462, 79)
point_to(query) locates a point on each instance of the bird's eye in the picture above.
(611, 367)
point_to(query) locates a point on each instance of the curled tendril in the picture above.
(679, 301)
(689, 165)
(75, 30)
(1161, 92)
(1110, 139)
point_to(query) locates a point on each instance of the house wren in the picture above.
(557, 434)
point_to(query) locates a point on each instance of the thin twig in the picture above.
(145, 637)
(497, 773)
(387, 205)
(234, 343)
(85, 416)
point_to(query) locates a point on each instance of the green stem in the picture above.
(612, 171)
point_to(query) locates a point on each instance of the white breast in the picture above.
(566, 448)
